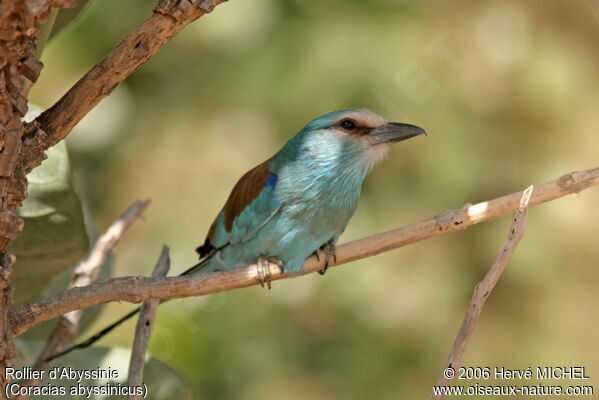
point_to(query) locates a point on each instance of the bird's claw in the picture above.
(263, 269)
(329, 252)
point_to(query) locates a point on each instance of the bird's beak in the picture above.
(395, 132)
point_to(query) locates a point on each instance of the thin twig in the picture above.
(84, 274)
(138, 289)
(482, 291)
(143, 330)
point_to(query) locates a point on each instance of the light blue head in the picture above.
(351, 138)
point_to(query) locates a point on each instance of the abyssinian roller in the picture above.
(300, 200)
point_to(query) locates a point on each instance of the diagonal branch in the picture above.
(482, 291)
(137, 289)
(54, 124)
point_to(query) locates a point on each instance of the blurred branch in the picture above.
(143, 330)
(137, 289)
(89, 269)
(84, 274)
(54, 124)
(483, 289)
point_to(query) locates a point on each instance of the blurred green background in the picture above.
(509, 93)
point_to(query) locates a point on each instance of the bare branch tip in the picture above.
(164, 262)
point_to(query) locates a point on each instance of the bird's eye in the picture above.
(348, 124)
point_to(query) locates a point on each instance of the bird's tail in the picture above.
(202, 266)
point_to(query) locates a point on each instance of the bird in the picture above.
(298, 202)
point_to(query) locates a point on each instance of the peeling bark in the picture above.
(19, 25)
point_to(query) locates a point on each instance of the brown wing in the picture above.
(244, 192)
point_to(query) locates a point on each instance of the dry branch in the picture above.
(137, 289)
(143, 330)
(482, 291)
(84, 274)
(54, 124)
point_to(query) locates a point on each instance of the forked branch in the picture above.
(482, 291)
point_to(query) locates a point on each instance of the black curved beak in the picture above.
(394, 132)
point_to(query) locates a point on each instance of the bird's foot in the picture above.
(263, 266)
(329, 253)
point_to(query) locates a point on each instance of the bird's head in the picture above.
(361, 132)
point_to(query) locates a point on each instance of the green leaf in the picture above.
(58, 20)
(66, 16)
(45, 32)
(54, 238)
